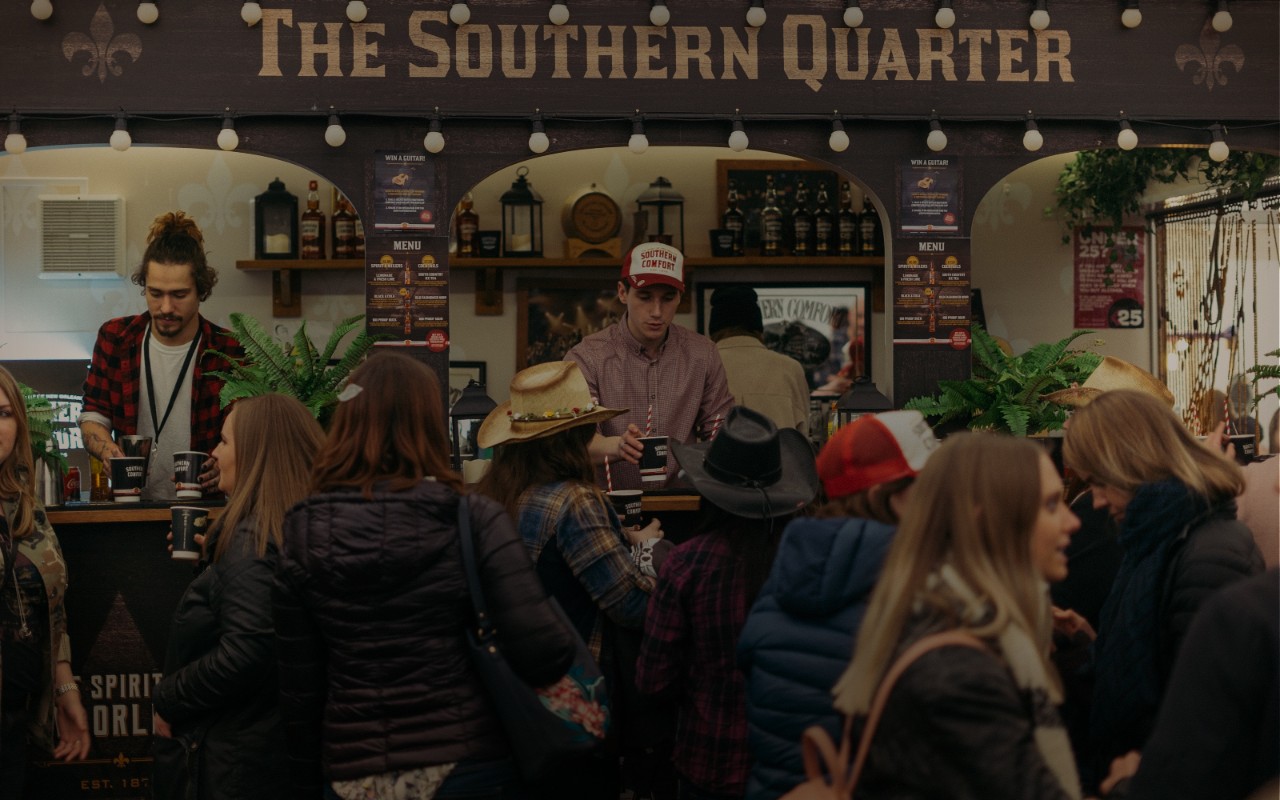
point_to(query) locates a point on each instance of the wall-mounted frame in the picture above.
(554, 314)
(461, 372)
(823, 325)
(749, 178)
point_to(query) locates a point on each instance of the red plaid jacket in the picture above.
(113, 386)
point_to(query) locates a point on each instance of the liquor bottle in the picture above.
(847, 224)
(823, 224)
(359, 237)
(733, 218)
(801, 223)
(344, 230)
(770, 222)
(312, 228)
(870, 231)
(466, 224)
(933, 274)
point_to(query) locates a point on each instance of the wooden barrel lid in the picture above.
(591, 215)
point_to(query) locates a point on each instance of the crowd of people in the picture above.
(321, 651)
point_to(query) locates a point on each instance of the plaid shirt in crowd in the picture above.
(689, 651)
(685, 386)
(113, 386)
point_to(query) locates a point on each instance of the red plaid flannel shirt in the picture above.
(113, 386)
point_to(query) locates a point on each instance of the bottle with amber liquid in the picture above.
(344, 230)
(359, 237)
(847, 225)
(466, 224)
(870, 232)
(770, 222)
(733, 219)
(311, 231)
(823, 223)
(801, 223)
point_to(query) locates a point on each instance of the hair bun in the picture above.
(175, 223)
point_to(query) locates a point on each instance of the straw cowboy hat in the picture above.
(751, 469)
(1112, 373)
(545, 399)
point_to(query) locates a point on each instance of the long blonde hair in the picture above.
(17, 472)
(276, 441)
(1125, 439)
(973, 507)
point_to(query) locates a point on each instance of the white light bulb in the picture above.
(459, 13)
(357, 10)
(433, 142)
(853, 16)
(1131, 18)
(120, 140)
(41, 9)
(1222, 21)
(1127, 139)
(15, 143)
(1219, 151)
(1171, 362)
(1033, 140)
(838, 141)
(228, 139)
(1182, 345)
(738, 139)
(538, 142)
(251, 13)
(756, 16)
(945, 18)
(638, 143)
(559, 14)
(1039, 19)
(335, 135)
(937, 140)
(659, 15)
(148, 13)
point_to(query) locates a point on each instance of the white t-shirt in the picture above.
(166, 363)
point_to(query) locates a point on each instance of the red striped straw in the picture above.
(715, 426)
(648, 422)
(608, 476)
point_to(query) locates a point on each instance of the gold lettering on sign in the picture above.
(433, 44)
(740, 54)
(936, 46)
(817, 35)
(1010, 55)
(507, 33)
(693, 45)
(976, 40)
(647, 51)
(331, 49)
(271, 17)
(615, 51)
(893, 58)
(1046, 57)
(843, 71)
(363, 50)
(560, 36)
(480, 63)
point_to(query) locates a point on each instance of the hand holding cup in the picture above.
(637, 535)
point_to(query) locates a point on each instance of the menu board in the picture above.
(1109, 277)
(407, 294)
(405, 196)
(931, 301)
(929, 196)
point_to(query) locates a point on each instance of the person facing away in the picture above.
(39, 696)
(1174, 501)
(986, 528)
(759, 378)
(797, 639)
(150, 372)
(217, 715)
(753, 478)
(671, 379)
(377, 692)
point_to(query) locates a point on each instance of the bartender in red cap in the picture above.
(670, 378)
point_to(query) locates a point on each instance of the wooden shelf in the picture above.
(286, 278)
(691, 262)
(301, 263)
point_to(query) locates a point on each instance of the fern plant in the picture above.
(1265, 372)
(1005, 392)
(40, 414)
(295, 368)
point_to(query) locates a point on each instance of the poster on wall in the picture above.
(405, 197)
(406, 295)
(931, 293)
(1110, 272)
(929, 197)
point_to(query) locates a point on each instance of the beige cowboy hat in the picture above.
(1112, 373)
(545, 399)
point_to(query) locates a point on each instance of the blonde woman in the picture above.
(986, 527)
(39, 697)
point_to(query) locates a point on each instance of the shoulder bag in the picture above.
(823, 759)
(544, 726)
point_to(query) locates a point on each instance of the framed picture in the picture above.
(750, 177)
(462, 372)
(824, 326)
(554, 314)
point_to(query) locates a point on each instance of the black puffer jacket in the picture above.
(371, 604)
(219, 690)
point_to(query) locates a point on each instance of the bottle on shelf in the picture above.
(870, 232)
(801, 223)
(359, 237)
(733, 218)
(311, 231)
(466, 223)
(823, 224)
(770, 221)
(847, 225)
(344, 229)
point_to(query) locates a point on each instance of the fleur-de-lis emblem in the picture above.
(104, 48)
(1211, 58)
(121, 760)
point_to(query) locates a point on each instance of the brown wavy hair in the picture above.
(392, 430)
(17, 472)
(175, 238)
(518, 465)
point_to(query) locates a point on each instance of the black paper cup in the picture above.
(187, 522)
(137, 447)
(128, 476)
(1246, 445)
(653, 461)
(187, 466)
(627, 502)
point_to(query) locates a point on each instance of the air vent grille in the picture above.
(82, 237)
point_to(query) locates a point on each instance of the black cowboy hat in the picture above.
(751, 469)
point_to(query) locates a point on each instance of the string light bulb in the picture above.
(1218, 151)
(335, 135)
(357, 10)
(120, 138)
(148, 13)
(937, 139)
(228, 139)
(638, 143)
(659, 14)
(946, 16)
(251, 13)
(1040, 17)
(1033, 140)
(838, 141)
(738, 137)
(41, 9)
(1131, 17)
(433, 142)
(1222, 18)
(460, 12)
(538, 141)
(15, 143)
(852, 13)
(559, 13)
(1127, 138)
(756, 15)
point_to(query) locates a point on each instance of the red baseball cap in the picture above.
(654, 263)
(873, 449)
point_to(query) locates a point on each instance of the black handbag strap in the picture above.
(467, 545)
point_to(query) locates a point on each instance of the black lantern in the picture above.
(275, 216)
(663, 209)
(862, 398)
(522, 219)
(465, 417)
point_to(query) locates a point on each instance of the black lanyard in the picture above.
(177, 387)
